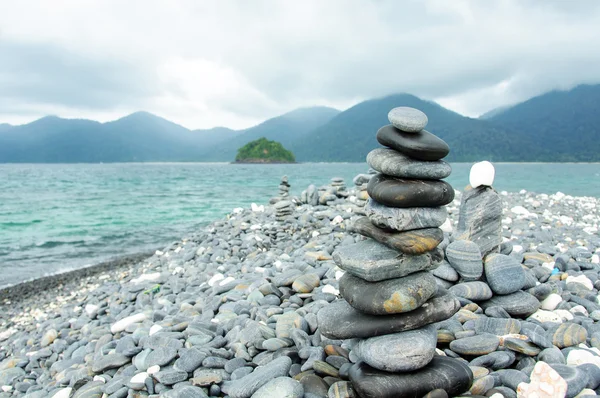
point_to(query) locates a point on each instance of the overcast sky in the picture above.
(236, 63)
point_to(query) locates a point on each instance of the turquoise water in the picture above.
(55, 217)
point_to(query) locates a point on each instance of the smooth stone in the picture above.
(550, 302)
(475, 291)
(593, 374)
(536, 334)
(552, 355)
(481, 386)
(545, 383)
(421, 145)
(482, 173)
(518, 304)
(480, 344)
(248, 385)
(497, 326)
(417, 241)
(392, 296)
(109, 361)
(399, 352)
(170, 377)
(341, 389)
(512, 378)
(92, 389)
(576, 379)
(393, 163)
(448, 374)
(503, 273)
(465, 257)
(284, 387)
(480, 218)
(407, 119)
(373, 261)
(306, 283)
(399, 192)
(446, 272)
(567, 334)
(437, 393)
(9, 375)
(521, 346)
(404, 219)
(339, 320)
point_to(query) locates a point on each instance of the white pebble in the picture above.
(99, 378)
(257, 208)
(550, 302)
(226, 280)
(517, 248)
(579, 308)
(546, 316)
(482, 174)
(146, 277)
(595, 259)
(447, 226)
(122, 324)
(330, 289)
(153, 369)
(91, 309)
(139, 378)
(564, 315)
(63, 393)
(579, 357)
(9, 389)
(155, 329)
(581, 279)
(337, 220)
(217, 277)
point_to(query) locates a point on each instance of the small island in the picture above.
(264, 151)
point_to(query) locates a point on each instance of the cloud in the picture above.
(236, 63)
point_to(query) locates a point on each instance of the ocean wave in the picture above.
(19, 223)
(54, 243)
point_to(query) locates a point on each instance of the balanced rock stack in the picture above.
(390, 298)
(284, 191)
(361, 182)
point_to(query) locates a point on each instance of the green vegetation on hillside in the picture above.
(264, 151)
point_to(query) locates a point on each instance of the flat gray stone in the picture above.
(405, 219)
(396, 164)
(407, 119)
(374, 261)
(480, 219)
(519, 304)
(503, 273)
(391, 296)
(248, 385)
(474, 291)
(399, 352)
(280, 387)
(480, 344)
(465, 257)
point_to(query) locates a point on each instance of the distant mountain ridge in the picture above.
(556, 126)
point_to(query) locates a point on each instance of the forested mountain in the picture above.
(565, 123)
(289, 129)
(557, 126)
(351, 134)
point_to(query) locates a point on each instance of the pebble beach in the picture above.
(232, 310)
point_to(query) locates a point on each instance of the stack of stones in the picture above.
(361, 182)
(390, 298)
(283, 209)
(284, 191)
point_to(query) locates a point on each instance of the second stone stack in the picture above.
(390, 297)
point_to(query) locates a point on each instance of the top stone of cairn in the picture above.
(407, 119)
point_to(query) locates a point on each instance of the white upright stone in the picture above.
(482, 174)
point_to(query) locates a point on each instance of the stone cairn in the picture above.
(361, 182)
(391, 300)
(284, 191)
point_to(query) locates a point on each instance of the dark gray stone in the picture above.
(396, 164)
(405, 219)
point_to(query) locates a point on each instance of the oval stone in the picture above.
(417, 241)
(449, 374)
(474, 291)
(396, 164)
(465, 257)
(518, 304)
(497, 326)
(408, 119)
(567, 334)
(405, 219)
(373, 261)
(480, 344)
(339, 320)
(422, 145)
(392, 296)
(503, 273)
(397, 192)
(399, 352)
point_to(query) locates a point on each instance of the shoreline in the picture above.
(230, 284)
(25, 289)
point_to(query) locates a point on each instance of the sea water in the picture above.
(58, 217)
